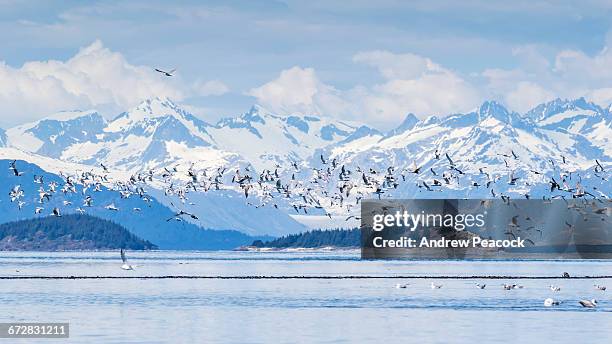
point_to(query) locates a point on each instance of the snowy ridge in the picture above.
(266, 139)
(489, 146)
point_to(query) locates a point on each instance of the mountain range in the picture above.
(489, 142)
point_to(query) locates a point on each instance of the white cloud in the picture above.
(298, 90)
(94, 78)
(411, 84)
(210, 88)
(527, 95)
(397, 66)
(414, 84)
(570, 74)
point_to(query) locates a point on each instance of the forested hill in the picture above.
(316, 238)
(68, 232)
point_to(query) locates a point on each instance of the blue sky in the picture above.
(371, 61)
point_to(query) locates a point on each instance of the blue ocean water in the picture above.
(302, 310)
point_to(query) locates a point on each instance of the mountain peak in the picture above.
(408, 123)
(493, 109)
(157, 106)
(152, 108)
(559, 105)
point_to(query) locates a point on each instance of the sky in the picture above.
(367, 61)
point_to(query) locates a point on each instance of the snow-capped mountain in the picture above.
(266, 139)
(54, 134)
(154, 132)
(576, 117)
(159, 133)
(489, 145)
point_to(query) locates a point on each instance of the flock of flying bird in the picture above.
(330, 188)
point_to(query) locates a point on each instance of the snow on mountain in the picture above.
(576, 117)
(264, 138)
(159, 133)
(489, 143)
(155, 133)
(52, 135)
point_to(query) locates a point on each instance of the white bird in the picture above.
(435, 286)
(554, 288)
(125, 265)
(401, 286)
(56, 212)
(550, 302)
(111, 207)
(600, 287)
(588, 304)
(481, 286)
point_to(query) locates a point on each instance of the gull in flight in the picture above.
(401, 286)
(600, 287)
(112, 207)
(170, 73)
(588, 303)
(554, 288)
(125, 265)
(180, 213)
(481, 286)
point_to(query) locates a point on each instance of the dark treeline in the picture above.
(316, 238)
(68, 232)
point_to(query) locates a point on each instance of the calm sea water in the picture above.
(301, 310)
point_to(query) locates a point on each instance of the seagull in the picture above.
(435, 286)
(13, 167)
(112, 207)
(550, 302)
(588, 304)
(170, 73)
(56, 212)
(401, 286)
(178, 215)
(481, 286)
(554, 288)
(600, 287)
(125, 265)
